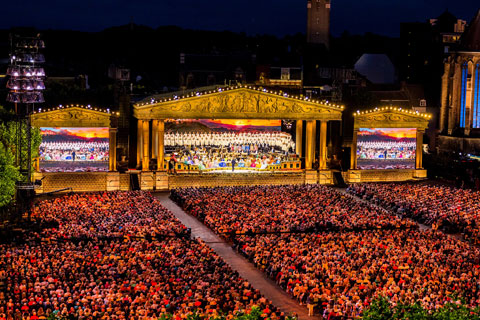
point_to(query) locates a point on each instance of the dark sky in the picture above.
(277, 17)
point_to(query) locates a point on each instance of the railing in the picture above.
(284, 166)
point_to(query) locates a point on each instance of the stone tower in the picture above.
(318, 22)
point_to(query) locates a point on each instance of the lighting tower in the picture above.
(25, 84)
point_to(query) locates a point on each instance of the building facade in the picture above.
(460, 100)
(318, 22)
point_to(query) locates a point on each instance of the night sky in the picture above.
(277, 17)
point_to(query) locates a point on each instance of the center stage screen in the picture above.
(206, 125)
(74, 149)
(386, 148)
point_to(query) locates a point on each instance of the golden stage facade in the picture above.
(388, 117)
(240, 102)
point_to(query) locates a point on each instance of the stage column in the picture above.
(112, 163)
(154, 139)
(146, 144)
(299, 138)
(419, 151)
(314, 145)
(309, 145)
(139, 142)
(323, 146)
(160, 144)
(353, 152)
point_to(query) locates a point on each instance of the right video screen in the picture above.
(386, 148)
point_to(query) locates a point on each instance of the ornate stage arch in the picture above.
(239, 102)
(77, 117)
(389, 117)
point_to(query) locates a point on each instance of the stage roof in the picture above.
(238, 102)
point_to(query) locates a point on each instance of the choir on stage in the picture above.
(246, 150)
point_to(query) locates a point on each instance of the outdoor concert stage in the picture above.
(381, 135)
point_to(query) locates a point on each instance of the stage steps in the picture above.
(338, 179)
(134, 182)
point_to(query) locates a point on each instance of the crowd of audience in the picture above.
(282, 208)
(122, 255)
(107, 214)
(348, 251)
(451, 209)
(96, 276)
(341, 272)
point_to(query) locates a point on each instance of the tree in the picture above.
(9, 171)
(382, 309)
(9, 174)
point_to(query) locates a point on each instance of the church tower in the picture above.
(318, 22)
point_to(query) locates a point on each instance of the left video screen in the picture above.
(74, 149)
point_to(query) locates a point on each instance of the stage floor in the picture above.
(237, 171)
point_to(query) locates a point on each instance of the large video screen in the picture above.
(74, 149)
(386, 148)
(224, 125)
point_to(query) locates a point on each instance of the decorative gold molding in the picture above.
(71, 117)
(240, 103)
(391, 118)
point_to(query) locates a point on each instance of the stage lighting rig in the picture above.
(26, 82)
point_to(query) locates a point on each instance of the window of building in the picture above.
(476, 98)
(463, 94)
(423, 103)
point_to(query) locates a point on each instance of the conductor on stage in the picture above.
(234, 161)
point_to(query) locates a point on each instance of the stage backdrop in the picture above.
(386, 148)
(74, 149)
(206, 125)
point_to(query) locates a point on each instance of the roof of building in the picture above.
(406, 96)
(445, 22)
(471, 37)
(377, 68)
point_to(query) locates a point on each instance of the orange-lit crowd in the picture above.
(285, 208)
(336, 253)
(442, 207)
(78, 269)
